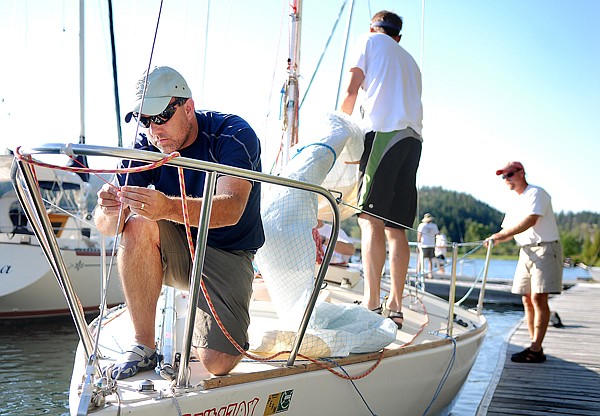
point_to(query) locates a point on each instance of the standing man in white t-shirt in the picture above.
(426, 235)
(532, 223)
(393, 116)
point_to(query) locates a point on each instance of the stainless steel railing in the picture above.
(30, 198)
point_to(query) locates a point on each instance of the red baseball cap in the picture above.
(510, 166)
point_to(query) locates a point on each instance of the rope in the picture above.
(319, 243)
(444, 378)
(29, 159)
(185, 209)
(226, 333)
(479, 243)
(355, 388)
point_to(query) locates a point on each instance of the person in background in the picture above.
(427, 232)
(440, 251)
(393, 115)
(344, 248)
(531, 222)
(153, 247)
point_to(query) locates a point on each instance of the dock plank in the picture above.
(568, 383)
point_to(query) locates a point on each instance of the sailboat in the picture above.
(320, 337)
(28, 287)
(313, 349)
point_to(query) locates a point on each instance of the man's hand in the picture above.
(148, 203)
(497, 238)
(108, 201)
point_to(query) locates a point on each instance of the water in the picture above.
(35, 367)
(36, 358)
(499, 269)
(500, 320)
(505, 269)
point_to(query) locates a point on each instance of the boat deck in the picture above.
(569, 381)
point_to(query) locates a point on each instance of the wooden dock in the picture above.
(568, 383)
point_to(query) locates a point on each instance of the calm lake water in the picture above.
(36, 361)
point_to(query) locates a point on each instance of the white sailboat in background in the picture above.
(28, 287)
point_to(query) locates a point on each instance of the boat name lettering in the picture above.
(5, 269)
(242, 408)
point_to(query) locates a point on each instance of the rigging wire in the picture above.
(275, 64)
(137, 129)
(422, 51)
(314, 74)
(205, 48)
(114, 72)
(353, 385)
(445, 376)
(348, 26)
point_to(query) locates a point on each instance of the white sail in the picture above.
(287, 260)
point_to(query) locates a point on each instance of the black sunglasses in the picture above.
(161, 118)
(510, 174)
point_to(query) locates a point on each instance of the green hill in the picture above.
(458, 215)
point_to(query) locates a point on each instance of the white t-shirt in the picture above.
(533, 200)
(428, 232)
(392, 84)
(325, 231)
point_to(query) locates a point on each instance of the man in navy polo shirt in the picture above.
(153, 249)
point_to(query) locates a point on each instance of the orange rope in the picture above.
(319, 244)
(29, 159)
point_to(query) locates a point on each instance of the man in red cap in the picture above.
(532, 223)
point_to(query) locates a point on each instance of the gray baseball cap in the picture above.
(163, 83)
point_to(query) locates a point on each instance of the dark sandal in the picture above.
(378, 311)
(528, 356)
(395, 315)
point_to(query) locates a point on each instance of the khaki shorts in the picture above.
(228, 279)
(539, 269)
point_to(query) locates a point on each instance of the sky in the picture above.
(502, 79)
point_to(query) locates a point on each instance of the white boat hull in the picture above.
(403, 383)
(29, 289)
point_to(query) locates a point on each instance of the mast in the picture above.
(292, 93)
(81, 71)
(81, 160)
(348, 25)
(114, 72)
